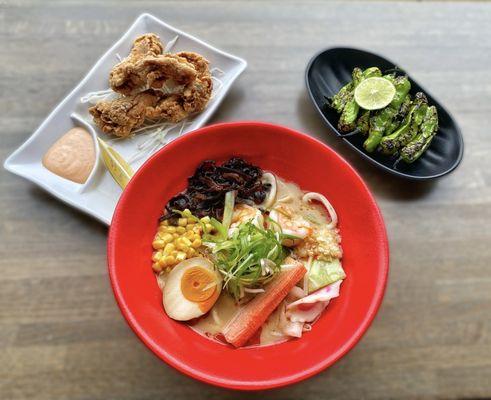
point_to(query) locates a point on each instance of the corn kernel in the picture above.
(187, 213)
(190, 235)
(171, 229)
(169, 248)
(181, 230)
(167, 237)
(196, 243)
(156, 256)
(190, 227)
(190, 252)
(156, 267)
(180, 245)
(186, 241)
(175, 235)
(205, 220)
(158, 244)
(174, 253)
(181, 256)
(182, 221)
(164, 222)
(169, 260)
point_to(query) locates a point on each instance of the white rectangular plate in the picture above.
(99, 195)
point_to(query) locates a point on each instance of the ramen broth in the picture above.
(290, 194)
(212, 324)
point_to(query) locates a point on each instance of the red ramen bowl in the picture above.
(292, 156)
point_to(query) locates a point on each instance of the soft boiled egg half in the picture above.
(191, 289)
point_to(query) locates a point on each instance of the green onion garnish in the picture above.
(249, 258)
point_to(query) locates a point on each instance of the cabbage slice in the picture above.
(323, 273)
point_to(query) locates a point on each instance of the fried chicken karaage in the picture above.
(196, 94)
(125, 78)
(154, 86)
(120, 116)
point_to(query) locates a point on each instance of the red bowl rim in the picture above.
(230, 384)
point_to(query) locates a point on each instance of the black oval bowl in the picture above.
(331, 69)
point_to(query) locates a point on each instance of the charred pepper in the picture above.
(383, 118)
(363, 122)
(412, 151)
(348, 120)
(391, 143)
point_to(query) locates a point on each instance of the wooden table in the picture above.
(61, 333)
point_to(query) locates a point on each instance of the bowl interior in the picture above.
(294, 157)
(331, 69)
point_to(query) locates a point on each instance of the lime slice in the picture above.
(374, 93)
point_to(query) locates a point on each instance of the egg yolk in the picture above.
(199, 285)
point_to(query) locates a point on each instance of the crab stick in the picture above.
(251, 317)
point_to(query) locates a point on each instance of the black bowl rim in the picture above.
(362, 153)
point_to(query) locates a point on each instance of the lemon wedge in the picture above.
(115, 164)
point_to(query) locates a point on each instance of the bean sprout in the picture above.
(248, 290)
(285, 199)
(288, 266)
(171, 44)
(209, 286)
(95, 97)
(306, 277)
(157, 138)
(215, 316)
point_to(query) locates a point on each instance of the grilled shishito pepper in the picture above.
(347, 122)
(390, 144)
(405, 107)
(413, 150)
(363, 122)
(416, 120)
(372, 72)
(339, 100)
(405, 123)
(401, 114)
(382, 119)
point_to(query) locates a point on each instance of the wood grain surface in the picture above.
(61, 333)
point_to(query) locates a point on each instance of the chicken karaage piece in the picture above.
(169, 108)
(122, 77)
(158, 70)
(146, 67)
(196, 94)
(155, 86)
(120, 116)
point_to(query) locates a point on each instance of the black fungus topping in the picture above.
(205, 194)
